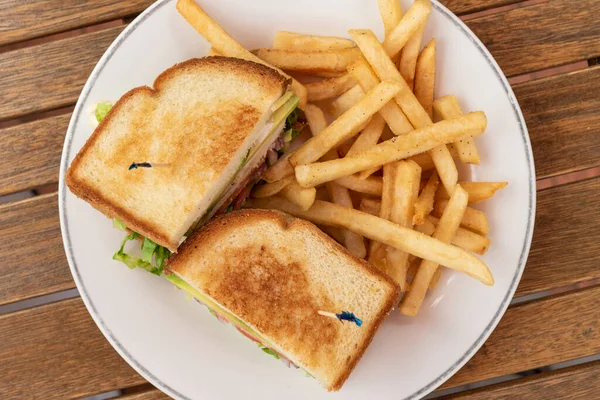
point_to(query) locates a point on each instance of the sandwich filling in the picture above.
(284, 124)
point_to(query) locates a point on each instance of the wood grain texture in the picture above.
(152, 394)
(460, 7)
(30, 153)
(581, 382)
(56, 351)
(33, 258)
(563, 117)
(50, 75)
(542, 35)
(537, 334)
(565, 247)
(28, 19)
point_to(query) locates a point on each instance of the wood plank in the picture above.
(537, 334)
(33, 258)
(580, 382)
(461, 7)
(152, 394)
(564, 249)
(562, 116)
(24, 20)
(565, 246)
(55, 351)
(542, 35)
(50, 75)
(30, 153)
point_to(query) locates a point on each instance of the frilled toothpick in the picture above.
(147, 165)
(343, 316)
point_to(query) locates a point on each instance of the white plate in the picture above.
(176, 344)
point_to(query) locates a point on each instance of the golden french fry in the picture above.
(370, 206)
(473, 219)
(391, 112)
(424, 160)
(353, 241)
(478, 191)
(346, 125)
(335, 233)
(271, 189)
(408, 58)
(387, 232)
(383, 66)
(416, 16)
(447, 107)
(435, 278)
(425, 77)
(369, 136)
(400, 147)
(278, 171)
(444, 232)
(405, 189)
(391, 14)
(214, 52)
(302, 42)
(465, 238)
(424, 203)
(377, 253)
(301, 197)
(292, 60)
(224, 43)
(329, 88)
(372, 185)
(345, 101)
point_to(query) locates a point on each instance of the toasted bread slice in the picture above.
(200, 119)
(275, 272)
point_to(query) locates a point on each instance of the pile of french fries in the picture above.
(383, 148)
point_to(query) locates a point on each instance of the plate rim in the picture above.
(156, 381)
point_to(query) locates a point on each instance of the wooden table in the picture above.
(49, 47)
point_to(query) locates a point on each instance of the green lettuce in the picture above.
(102, 109)
(149, 249)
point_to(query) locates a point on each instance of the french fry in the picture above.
(387, 232)
(271, 189)
(465, 238)
(398, 148)
(279, 170)
(353, 241)
(346, 125)
(329, 88)
(425, 77)
(378, 253)
(405, 189)
(478, 191)
(301, 197)
(213, 52)
(391, 112)
(444, 232)
(224, 43)
(435, 278)
(391, 14)
(369, 136)
(473, 219)
(424, 160)
(447, 107)
(408, 58)
(370, 206)
(372, 186)
(301, 42)
(383, 66)
(424, 203)
(335, 233)
(416, 16)
(345, 101)
(324, 61)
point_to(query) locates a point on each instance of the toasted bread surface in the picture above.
(275, 272)
(195, 120)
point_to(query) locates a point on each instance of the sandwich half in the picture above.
(165, 159)
(270, 275)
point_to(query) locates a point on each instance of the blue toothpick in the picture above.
(146, 165)
(343, 316)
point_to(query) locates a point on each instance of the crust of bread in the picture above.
(261, 78)
(239, 295)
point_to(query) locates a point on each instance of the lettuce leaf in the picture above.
(117, 223)
(102, 108)
(149, 248)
